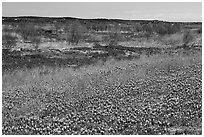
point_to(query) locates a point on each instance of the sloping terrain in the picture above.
(78, 56)
(165, 99)
(78, 76)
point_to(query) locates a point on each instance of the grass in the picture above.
(173, 39)
(55, 77)
(160, 94)
(142, 42)
(32, 92)
(51, 75)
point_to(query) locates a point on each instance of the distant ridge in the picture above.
(94, 19)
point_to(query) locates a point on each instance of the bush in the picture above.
(114, 35)
(166, 28)
(160, 29)
(36, 41)
(6, 30)
(137, 27)
(27, 31)
(173, 39)
(187, 37)
(113, 38)
(9, 41)
(199, 31)
(174, 28)
(75, 32)
(94, 38)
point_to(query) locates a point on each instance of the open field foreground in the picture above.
(161, 94)
(64, 75)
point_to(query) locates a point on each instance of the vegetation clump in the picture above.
(9, 41)
(187, 38)
(29, 33)
(75, 32)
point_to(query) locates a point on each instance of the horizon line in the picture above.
(99, 18)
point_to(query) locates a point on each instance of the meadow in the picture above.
(157, 95)
(148, 85)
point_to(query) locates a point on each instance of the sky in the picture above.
(167, 11)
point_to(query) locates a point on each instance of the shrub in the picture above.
(160, 29)
(199, 31)
(57, 26)
(113, 39)
(166, 28)
(94, 38)
(75, 32)
(36, 41)
(6, 30)
(187, 37)
(9, 41)
(174, 28)
(114, 35)
(173, 39)
(27, 31)
(137, 27)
